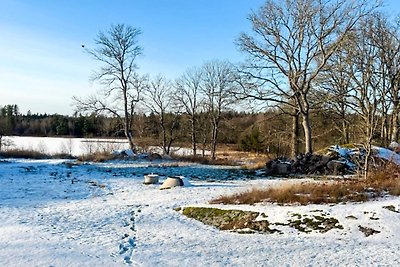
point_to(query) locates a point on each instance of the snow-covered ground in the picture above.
(56, 213)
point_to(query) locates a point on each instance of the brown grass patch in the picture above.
(247, 160)
(205, 160)
(380, 182)
(31, 154)
(99, 157)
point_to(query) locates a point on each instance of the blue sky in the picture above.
(42, 64)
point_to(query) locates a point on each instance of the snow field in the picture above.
(52, 214)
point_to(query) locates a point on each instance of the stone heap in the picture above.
(338, 161)
(309, 164)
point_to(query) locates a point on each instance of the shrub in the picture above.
(252, 141)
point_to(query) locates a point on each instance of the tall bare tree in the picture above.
(368, 83)
(218, 82)
(291, 44)
(336, 87)
(386, 37)
(159, 100)
(117, 50)
(187, 95)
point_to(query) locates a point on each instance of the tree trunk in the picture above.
(368, 152)
(194, 146)
(384, 131)
(395, 125)
(203, 152)
(307, 132)
(164, 141)
(127, 126)
(395, 114)
(295, 135)
(130, 141)
(345, 132)
(214, 141)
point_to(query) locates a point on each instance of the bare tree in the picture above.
(368, 83)
(159, 100)
(336, 87)
(117, 50)
(292, 42)
(187, 95)
(219, 80)
(386, 36)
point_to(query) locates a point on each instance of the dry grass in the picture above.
(254, 165)
(248, 160)
(379, 183)
(227, 156)
(99, 157)
(31, 154)
(205, 160)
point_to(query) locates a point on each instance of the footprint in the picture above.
(128, 259)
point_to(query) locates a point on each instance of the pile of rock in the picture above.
(337, 161)
(309, 164)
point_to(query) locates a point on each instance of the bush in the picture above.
(252, 141)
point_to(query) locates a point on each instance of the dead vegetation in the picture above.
(32, 154)
(229, 157)
(100, 157)
(381, 182)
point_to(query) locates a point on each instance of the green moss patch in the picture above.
(254, 222)
(368, 231)
(232, 220)
(391, 208)
(319, 223)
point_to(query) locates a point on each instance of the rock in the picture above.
(172, 182)
(395, 147)
(278, 167)
(308, 164)
(336, 167)
(154, 156)
(282, 168)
